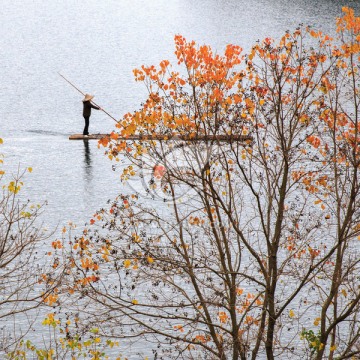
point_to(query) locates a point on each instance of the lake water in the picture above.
(97, 44)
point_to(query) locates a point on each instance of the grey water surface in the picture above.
(97, 44)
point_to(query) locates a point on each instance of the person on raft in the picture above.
(87, 111)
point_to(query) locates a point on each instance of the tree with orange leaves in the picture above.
(245, 248)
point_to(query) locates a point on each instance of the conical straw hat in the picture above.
(88, 97)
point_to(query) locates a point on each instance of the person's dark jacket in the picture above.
(87, 108)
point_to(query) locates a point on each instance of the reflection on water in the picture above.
(87, 155)
(88, 176)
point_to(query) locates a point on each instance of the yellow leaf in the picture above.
(127, 263)
(135, 302)
(333, 348)
(262, 102)
(150, 260)
(1, 141)
(291, 313)
(316, 321)
(30, 169)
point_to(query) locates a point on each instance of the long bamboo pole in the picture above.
(68, 81)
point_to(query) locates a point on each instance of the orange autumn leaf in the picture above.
(56, 244)
(314, 141)
(50, 299)
(114, 135)
(223, 317)
(179, 327)
(239, 291)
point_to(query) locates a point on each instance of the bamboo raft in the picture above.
(87, 137)
(158, 137)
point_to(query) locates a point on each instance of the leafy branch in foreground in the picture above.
(21, 240)
(64, 342)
